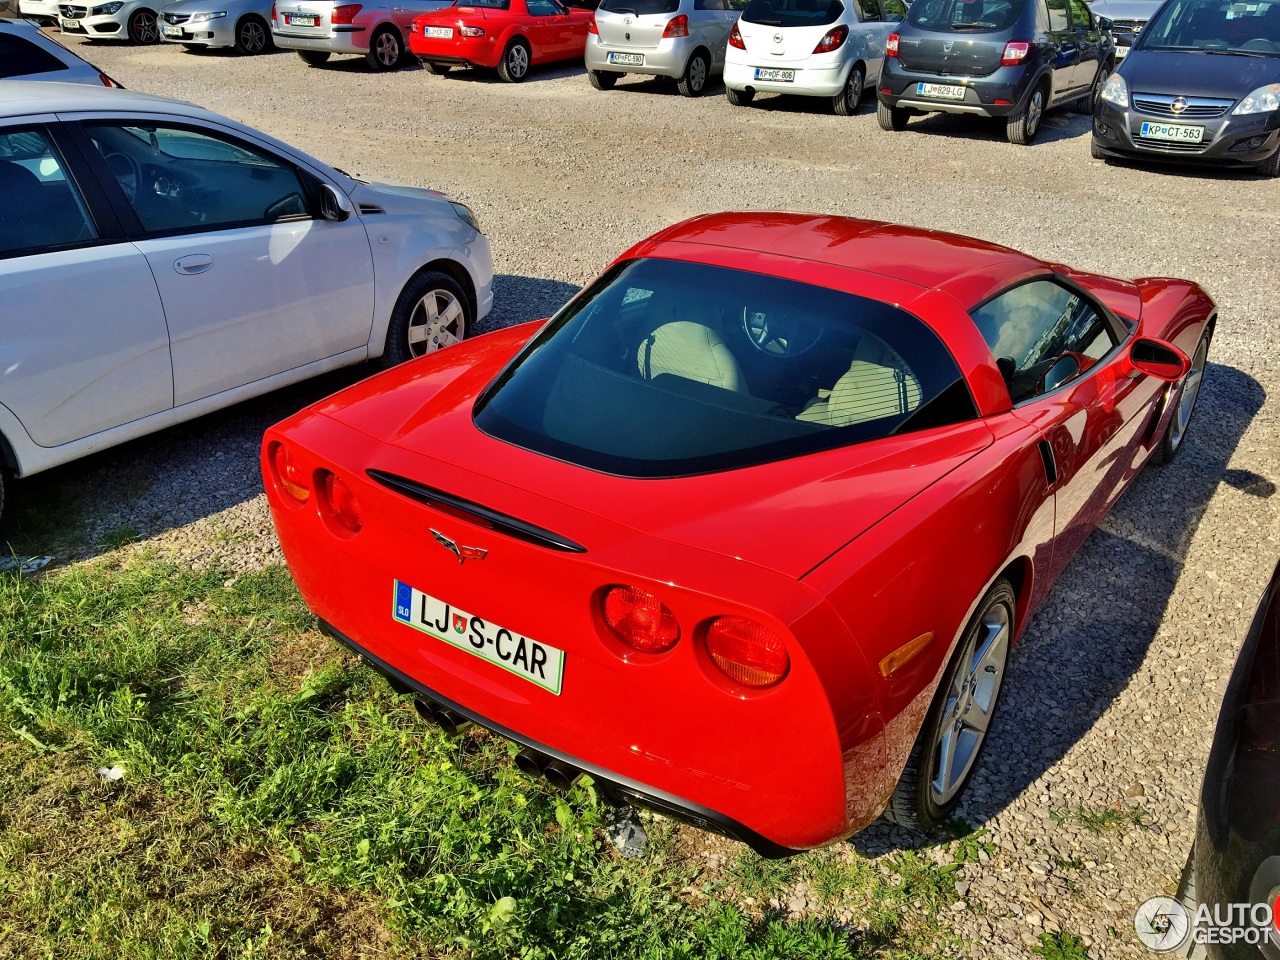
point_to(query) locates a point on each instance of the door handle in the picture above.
(196, 263)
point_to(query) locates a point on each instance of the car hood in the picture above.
(395, 198)
(189, 7)
(1197, 74)
(787, 516)
(1125, 9)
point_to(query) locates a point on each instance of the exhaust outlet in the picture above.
(532, 763)
(449, 721)
(562, 776)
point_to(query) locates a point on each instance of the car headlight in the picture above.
(106, 9)
(466, 216)
(1115, 91)
(206, 17)
(1263, 100)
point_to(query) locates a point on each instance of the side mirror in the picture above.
(1104, 24)
(335, 206)
(1158, 359)
(1063, 369)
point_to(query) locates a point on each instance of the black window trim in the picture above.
(1122, 330)
(133, 227)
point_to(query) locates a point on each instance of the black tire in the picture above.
(739, 98)
(604, 79)
(845, 103)
(1086, 103)
(891, 118)
(386, 50)
(916, 801)
(253, 36)
(314, 58)
(143, 28)
(438, 69)
(1024, 123)
(1096, 151)
(515, 62)
(696, 73)
(407, 317)
(1176, 432)
(1270, 167)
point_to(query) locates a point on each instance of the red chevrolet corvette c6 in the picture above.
(511, 35)
(747, 529)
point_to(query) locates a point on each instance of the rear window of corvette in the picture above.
(668, 368)
(640, 8)
(793, 13)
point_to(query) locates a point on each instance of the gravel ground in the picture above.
(1116, 685)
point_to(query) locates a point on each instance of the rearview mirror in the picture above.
(1159, 359)
(1063, 369)
(335, 206)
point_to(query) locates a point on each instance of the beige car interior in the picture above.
(695, 351)
(878, 384)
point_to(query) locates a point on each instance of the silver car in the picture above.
(1127, 17)
(681, 39)
(27, 54)
(243, 24)
(377, 31)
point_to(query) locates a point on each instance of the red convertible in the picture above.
(747, 529)
(511, 35)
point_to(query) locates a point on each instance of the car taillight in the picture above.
(640, 620)
(747, 652)
(273, 11)
(289, 476)
(891, 45)
(1015, 51)
(345, 12)
(107, 81)
(735, 38)
(467, 31)
(676, 27)
(591, 26)
(340, 503)
(833, 40)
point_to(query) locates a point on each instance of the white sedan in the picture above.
(813, 48)
(158, 261)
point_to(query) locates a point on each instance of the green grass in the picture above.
(1060, 946)
(1101, 819)
(279, 800)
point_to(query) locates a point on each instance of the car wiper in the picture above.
(1238, 53)
(630, 10)
(767, 23)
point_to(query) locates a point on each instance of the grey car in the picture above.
(27, 54)
(197, 24)
(377, 31)
(1127, 17)
(681, 39)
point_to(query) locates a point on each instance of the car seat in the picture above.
(878, 384)
(690, 347)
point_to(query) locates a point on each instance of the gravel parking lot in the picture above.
(1115, 687)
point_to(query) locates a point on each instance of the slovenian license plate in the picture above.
(627, 59)
(70, 24)
(784, 76)
(539, 663)
(293, 20)
(440, 33)
(940, 91)
(1176, 132)
(172, 31)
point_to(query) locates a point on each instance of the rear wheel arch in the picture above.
(1021, 575)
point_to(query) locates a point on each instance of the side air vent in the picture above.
(369, 209)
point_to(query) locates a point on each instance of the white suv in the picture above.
(158, 261)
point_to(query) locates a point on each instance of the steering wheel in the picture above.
(1261, 45)
(127, 171)
(777, 334)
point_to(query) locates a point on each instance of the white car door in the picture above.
(254, 283)
(83, 342)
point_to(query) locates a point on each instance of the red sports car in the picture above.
(747, 529)
(511, 35)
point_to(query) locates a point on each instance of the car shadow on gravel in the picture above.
(1089, 638)
(555, 71)
(1061, 123)
(196, 469)
(815, 106)
(1187, 171)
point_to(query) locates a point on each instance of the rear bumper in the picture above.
(471, 51)
(616, 788)
(667, 59)
(1229, 140)
(343, 40)
(996, 95)
(826, 80)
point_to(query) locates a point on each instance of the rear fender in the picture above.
(1177, 311)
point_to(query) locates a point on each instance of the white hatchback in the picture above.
(159, 261)
(813, 48)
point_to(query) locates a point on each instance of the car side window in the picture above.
(709, 5)
(870, 9)
(178, 179)
(542, 8)
(1033, 326)
(1058, 15)
(40, 208)
(19, 58)
(1081, 18)
(894, 11)
(736, 5)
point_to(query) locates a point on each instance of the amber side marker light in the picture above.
(640, 620)
(747, 652)
(340, 502)
(289, 475)
(894, 661)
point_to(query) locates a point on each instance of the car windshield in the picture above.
(668, 368)
(793, 13)
(640, 8)
(965, 15)
(1212, 26)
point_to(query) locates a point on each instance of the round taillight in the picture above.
(640, 620)
(1275, 910)
(340, 503)
(747, 652)
(290, 477)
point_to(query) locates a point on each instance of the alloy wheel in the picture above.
(518, 61)
(971, 700)
(145, 29)
(252, 37)
(388, 49)
(854, 90)
(1034, 109)
(1187, 396)
(436, 322)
